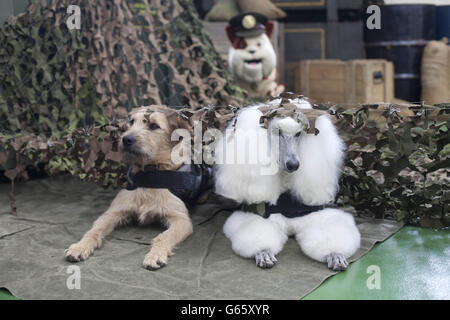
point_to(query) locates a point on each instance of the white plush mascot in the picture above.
(251, 57)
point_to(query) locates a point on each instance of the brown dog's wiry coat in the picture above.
(146, 142)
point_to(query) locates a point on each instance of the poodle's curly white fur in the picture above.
(328, 235)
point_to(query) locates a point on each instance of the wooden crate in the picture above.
(220, 40)
(327, 40)
(354, 81)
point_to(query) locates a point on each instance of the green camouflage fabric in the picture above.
(127, 53)
(398, 162)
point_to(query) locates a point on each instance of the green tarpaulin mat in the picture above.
(54, 213)
(412, 264)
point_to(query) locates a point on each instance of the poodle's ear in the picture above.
(321, 157)
(269, 28)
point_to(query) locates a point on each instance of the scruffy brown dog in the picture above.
(146, 142)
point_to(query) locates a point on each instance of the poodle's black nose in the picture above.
(251, 51)
(292, 165)
(128, 141)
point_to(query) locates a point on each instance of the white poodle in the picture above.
(307, 167)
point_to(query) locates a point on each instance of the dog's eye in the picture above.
(259, 44)
(131, 122)
(153, 126)
(298, 134)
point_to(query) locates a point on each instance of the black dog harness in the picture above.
(191, 180)
(286, 205)
(187, 183)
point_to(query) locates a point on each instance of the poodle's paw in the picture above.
(155, 260)
(336, 262)
(78, 252)
(265, 259)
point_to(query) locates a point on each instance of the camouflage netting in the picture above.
(398, 162)
(64, 92)
(127, 53)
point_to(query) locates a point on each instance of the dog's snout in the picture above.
(251, 51)
(128, 141)
(292, 165)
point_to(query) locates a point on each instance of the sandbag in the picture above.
(265, 7)
(223, 10)
(436, 72)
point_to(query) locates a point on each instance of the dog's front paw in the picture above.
(336, 262)
(155, 260)
(78, 252)
(265, 259)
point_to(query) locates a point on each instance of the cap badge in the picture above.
(249, 22)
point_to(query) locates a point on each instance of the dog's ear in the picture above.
(176, 121)
(184, 124)
(236, 42)
(230, 33)
(269, 28)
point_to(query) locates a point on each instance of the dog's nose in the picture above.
(251, 51)
(292, 165)
(128, 141)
